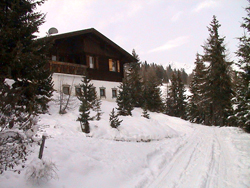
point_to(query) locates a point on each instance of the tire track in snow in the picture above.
(201, 161)
(173, 171)
(211, 179)
(221, 172)
(194, 173)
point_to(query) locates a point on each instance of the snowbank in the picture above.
(133, 128)
(179, 154)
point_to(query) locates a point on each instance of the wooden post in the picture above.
(42, 147)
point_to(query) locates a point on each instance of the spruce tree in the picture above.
(175, 102)
(23, 59)
(135, 81)
(145, 113)
(197, 102)
(184, 76)
(181, 99)
(169, 71)
(84, 115)
(243, 84)
(219, 88)
(114, 120)
(171, 101)
(89, 100)
(135, 55)
(97, 109)
(87, 90)
(89, 94)
(124, 100)
(152, 92)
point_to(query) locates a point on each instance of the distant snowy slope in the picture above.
(177, 65)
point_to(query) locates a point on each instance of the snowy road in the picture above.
(205, 159)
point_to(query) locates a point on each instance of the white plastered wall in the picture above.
(74, 80)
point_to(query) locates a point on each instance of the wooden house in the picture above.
(73, 53)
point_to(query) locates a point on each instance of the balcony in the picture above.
(102, 73)
(67, 68)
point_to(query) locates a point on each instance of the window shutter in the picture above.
(97, 63)
(87, 59)
(118, 66)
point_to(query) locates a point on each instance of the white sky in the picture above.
(160, 31)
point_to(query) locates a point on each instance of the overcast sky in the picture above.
(160, 31)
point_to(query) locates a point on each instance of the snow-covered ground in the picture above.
(159, 152)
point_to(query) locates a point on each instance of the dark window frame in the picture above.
(102, 92)
(66, 89)
(114, 92)
(78, 91)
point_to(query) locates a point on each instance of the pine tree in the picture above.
(161, 73)
(152, 92)
(184, 76)
(175, 102)
(89, 94)
(87, 90)
(219, 88)
(89, 100)
(84, 115)
(135, 55)
(97, 109)
(24, 60)
(181, 99)
(135, 81)
(243, 84)
(169, 71)
(124, 100)
(197, 103)
(171, 101)
(145, 113)
(114, 120)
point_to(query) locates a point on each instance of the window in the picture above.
(90, 61)
(65, 89)
(113, 65)
(114, 93)
(93, 90)
(102, 92)
(78, 91)
(53, 58)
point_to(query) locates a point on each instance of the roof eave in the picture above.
(98, 34)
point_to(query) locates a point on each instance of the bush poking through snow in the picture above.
(41, 171)
(114, 120)
(145, 113)
(12, 150)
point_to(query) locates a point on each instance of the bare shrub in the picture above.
(41, 171)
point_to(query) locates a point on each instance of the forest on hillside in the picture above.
(164, 74)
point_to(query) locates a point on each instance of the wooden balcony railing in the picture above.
(76, 69)
(67, 68)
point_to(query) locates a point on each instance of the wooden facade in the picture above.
(75, 52)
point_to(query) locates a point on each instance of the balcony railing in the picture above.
(67, 68)
(76, 69)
